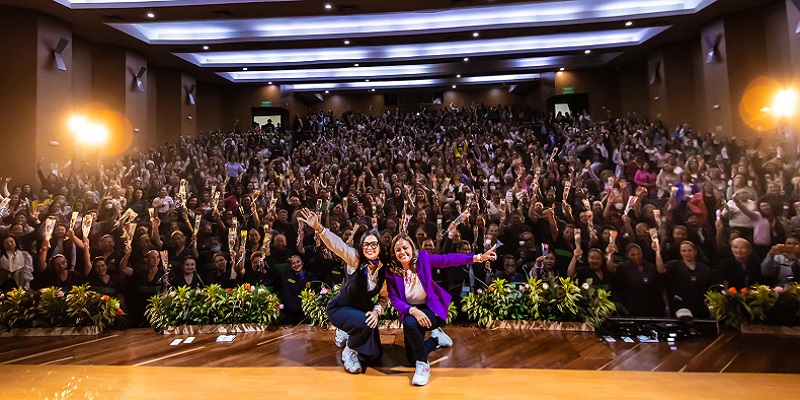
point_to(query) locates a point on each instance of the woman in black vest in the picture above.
(352, 311)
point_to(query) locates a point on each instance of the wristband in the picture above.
(378, 309)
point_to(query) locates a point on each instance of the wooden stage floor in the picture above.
(302, 361)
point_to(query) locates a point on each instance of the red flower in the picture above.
(745, 291)
(228, 290)
(732, 290)
(491, 288)
(105, 298)
(119, 311)
(246, 286)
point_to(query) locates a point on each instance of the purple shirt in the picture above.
(438, 298)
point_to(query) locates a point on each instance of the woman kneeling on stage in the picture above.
(421, 303)
(352, 311)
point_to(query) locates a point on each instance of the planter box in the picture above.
(220, 328)
(543, 326)
(60, 331)
(754, 329)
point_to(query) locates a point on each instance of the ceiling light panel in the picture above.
(400, 24)
(396, 53)
(411, 71)
(315, 87)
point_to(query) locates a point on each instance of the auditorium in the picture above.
(338, 199)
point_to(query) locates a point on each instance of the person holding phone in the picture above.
(421, 303)
(352, 311)
(781, 263)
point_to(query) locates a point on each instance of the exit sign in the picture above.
(569, 90)
(266, 104)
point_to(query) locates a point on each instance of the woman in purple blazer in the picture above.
(421, 303)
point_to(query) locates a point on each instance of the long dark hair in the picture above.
(359, 247)
(396, 267)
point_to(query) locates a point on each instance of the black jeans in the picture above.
(417, 348)
(361, 338)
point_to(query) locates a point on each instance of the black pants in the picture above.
(417, 348)
(363, 339)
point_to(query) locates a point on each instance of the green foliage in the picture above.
(559, 299)
(452, 312)
(213, 305)
(314, 304)
(89, 308)
(756, 305)
(51, 307)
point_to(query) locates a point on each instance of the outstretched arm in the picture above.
(331, 240)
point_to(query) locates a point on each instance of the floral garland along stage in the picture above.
(53, 308)
(756, 305)
(212, 305)
(556, 300)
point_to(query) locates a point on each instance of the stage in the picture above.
(303, 362)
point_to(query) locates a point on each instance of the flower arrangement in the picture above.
(213, 305)
(760, 304)
(315, 304)
(51, 307)
(558, 299)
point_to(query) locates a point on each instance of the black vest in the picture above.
(354, 291)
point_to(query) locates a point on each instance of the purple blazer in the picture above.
(438, 298)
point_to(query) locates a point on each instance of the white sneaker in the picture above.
(350, 361)
(422, 374)
(340, 338)
(444, 340)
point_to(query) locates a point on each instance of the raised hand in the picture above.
(309, 218)
(489, 255)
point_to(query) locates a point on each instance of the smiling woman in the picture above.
(422, 303)
(352, 311)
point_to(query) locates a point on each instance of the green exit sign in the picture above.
(266, 104)
(569, 90)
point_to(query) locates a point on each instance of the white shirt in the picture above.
(415, 293)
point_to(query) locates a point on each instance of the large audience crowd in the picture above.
(657, 215)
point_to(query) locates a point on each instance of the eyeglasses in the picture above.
(371, 245)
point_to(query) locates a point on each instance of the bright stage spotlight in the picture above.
(784, 105)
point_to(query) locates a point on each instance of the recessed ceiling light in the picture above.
(475, 34)
(327, 91)
(244, 69)
(205, 47)
(458, 76)
(561, 69)
(328, 6)
(587, 52)
(629, 23)
(269, 83)
(346, 42)
(454, 86)
(372, 90)
(355, 65)
(366, 80)
(150, 15)
(466, 59)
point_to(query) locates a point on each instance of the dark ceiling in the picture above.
(92, 25)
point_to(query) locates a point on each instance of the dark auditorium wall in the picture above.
(633, 99)
(18, 99)
(188, 115)
(342, 102)
(209, 107)
(602, 86)
(174, 115)
(238, 101)
(53, 93)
